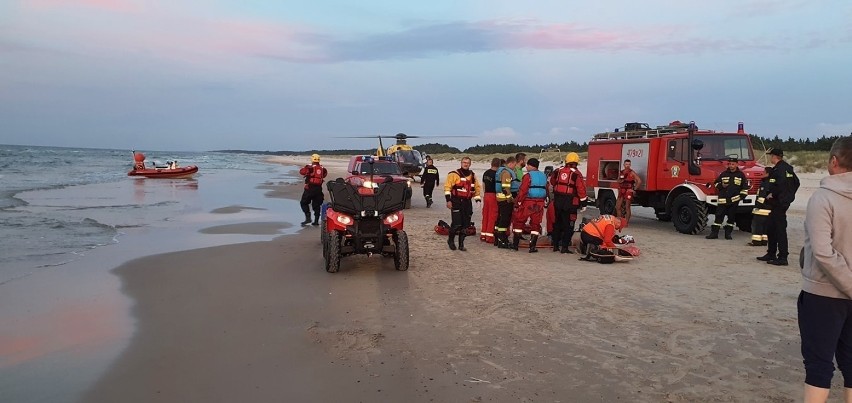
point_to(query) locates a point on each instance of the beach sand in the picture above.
(690, 320)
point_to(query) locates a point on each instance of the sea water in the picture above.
(57, 203)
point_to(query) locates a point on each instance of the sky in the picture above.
(197, 75)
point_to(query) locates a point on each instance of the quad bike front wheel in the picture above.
(332, 254)
(400, 257)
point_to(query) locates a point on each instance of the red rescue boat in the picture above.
(171, 171)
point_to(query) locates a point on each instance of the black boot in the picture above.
(428, 201)
(516, 240)
(714, 232)
(461, 242)
(533, 241)
(501, 240)
(307, 219)
(316, 220)
(451, 240)
(554, 240)
(566, 244)
(767, 257)
(728, 230)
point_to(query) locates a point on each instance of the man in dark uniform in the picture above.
(504, 181)
(732, 186)
(759, 213)
(781, 191)
(430, 178)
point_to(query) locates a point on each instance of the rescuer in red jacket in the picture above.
(312, 196)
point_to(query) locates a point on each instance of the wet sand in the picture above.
(691, 320)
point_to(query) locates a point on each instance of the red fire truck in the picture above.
(678, 164)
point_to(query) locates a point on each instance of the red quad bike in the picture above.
(362, 220)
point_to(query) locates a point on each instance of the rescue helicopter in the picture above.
(411, 161)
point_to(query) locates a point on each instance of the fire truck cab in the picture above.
(677, 164)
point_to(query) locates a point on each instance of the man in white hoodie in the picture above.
(825, 303)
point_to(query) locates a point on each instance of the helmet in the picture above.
(315, 158)
(572, 157)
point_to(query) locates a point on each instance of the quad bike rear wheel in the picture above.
(332, 255)
(400, 258)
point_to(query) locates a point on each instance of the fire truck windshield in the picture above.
(718, 147)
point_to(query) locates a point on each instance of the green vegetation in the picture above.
(808, 161)
(806, 154)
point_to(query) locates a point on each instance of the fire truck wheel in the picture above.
(688, 214)
(744, 222)
(606, 204)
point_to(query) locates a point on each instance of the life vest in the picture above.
(597, 226)
(463, 189)
(538, 183)
(628, 182)
(498, 184)
(566, 181)
(314, 174)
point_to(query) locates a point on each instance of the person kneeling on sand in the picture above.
(599, 232)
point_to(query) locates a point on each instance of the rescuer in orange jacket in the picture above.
(569, 196)
(600, 232)
(628, 182)
(312, 196)
(461, 187)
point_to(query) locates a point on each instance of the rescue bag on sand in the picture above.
(444, 229)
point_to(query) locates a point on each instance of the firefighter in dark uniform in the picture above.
(503, 184)
(569, 196)
(530, 205)
(312, 196)
(760, 213)
(781, 191)
(732, 186)
(489, 203)
(430, 178)
(460, 188)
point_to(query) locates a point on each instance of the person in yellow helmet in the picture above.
(314, 174)
(569, 196)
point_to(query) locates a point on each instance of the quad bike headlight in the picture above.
(344, 219)
(391, 218)
(370, 184)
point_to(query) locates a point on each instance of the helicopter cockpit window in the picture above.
(408, 156)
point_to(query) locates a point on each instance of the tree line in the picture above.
(790, 144)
